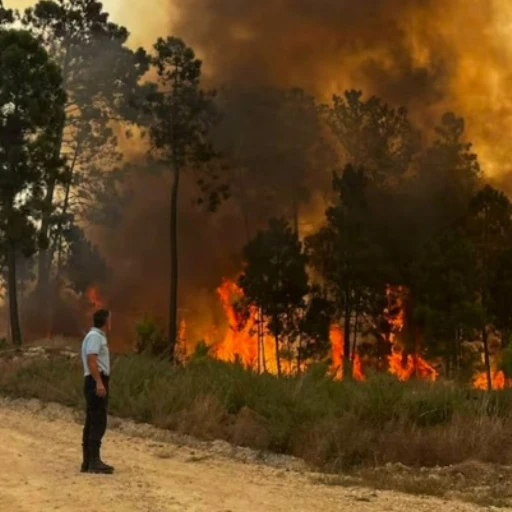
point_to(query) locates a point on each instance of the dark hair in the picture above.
(100, 317)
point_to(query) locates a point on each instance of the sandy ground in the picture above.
(39, 472)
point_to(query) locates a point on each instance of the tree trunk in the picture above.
(43, 293)
(56, 247)
(485, 339)
(447, 366)
(173, 239)
(278, 357)
(347, 330)
(13, 296)
(9, 330)
(58, 236)
(258, 340)
(262, 340)
(44, 260)
(299, 361)
(43, 265)
(354, 342)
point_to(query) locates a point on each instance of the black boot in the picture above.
(85, 463)
(96, 465)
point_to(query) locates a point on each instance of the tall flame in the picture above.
(337, 340)
(248, 341)
(498, 380)
(94, 298)
(404, 366)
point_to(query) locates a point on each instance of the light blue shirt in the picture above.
(95, 342)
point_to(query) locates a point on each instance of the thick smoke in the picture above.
(429, 55)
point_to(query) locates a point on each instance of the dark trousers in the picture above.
(96, 416)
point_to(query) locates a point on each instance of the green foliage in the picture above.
(150, 338)
(101, 78)
(505, 361)
(6, 15)
(201, 351)
(275, 280)
(315, 327)
(446, 293)
(347, 256)
(180, 115)
(283, 162)
(31, 115)
(447, 177)
(308, 416)
(375, 137)
(500, 291)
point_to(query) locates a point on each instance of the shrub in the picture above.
(332, 425)
(150, 337)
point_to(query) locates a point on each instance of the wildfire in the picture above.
(403, 366)
(338, 352)
(94, 298)
(498, 379)
(248, 341)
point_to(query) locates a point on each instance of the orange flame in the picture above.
(404, 367)
(242, 341)
(497, 378)
(248, 341)
(338, 352)
(94, 298)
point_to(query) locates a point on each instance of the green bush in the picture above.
(333, 425)
(201, 351)
(151, 338)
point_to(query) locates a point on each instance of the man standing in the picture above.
(96, 363)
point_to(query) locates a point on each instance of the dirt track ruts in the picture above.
(40, 456)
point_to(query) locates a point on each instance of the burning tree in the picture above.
(347, 259)
(489, 226)
(276, 282)
(181, 115)
(446, 296)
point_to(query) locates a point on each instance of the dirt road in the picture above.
(39, 461)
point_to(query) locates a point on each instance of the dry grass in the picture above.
(334, 426)
(487, 485)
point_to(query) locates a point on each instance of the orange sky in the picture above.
(316, 44)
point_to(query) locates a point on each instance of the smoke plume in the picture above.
(432, 56)
(428, 55)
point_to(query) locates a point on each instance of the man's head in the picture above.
(101, 319)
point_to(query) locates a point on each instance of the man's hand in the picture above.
(92, 361)
(100, 390)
